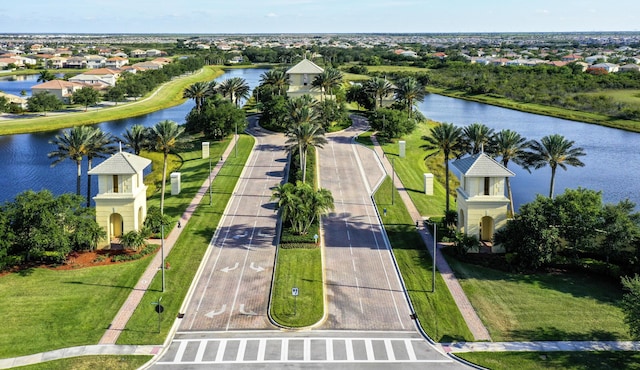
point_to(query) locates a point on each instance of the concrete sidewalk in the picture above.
(541, 346)
(124, 314)
(469, 314)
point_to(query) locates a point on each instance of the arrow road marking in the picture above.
(227, 269)
(216, 313)
(249, 313)
(238, 236)
(256, 268)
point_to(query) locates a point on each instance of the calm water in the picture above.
(612, 161)
(23, 158)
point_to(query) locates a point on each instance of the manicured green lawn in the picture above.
(438, 313)
(186, 256)
(543, 306)
(395, 69)
(624, 96)
(91, 363)
(45, 309)
(302, 269)
(554, 360)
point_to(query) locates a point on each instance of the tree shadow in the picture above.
(555, 334)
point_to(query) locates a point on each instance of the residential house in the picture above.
(595, 58)
(110, 76)
(116, 62)
(5, 62)
(15, 100)
(59, 88)
(629, 68)
(76, 62)
(57, 62)
(300, 78)
(95, 61)
(608, 67)
(138, 53)
(153, 53)
(571, 58)
(143, 66)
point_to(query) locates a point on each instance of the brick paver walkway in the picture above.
(124, 314)
(469, 314)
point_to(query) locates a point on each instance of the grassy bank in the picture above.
(168, 95)
(554, 360)
(437, 312)
(185, 256)
(91, 363)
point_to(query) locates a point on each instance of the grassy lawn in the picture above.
(389, 69)
(57, 309)
(169, 94)
(438, 313)
(186, 255)
(91, 363)
(300, 268)
(543, 306)
(624, 96)
(554, 360)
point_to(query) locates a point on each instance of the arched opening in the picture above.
(486, 232)
(115, 225)
(462, 222)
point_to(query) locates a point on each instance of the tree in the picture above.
(136, 137)
(86, 96)
(72, 144)
(378, 88)
(199, 92)
(328, 80)
(100, 145)
(166, 137)
(45, 76)
(356, 94)
(448, 140)
(391, 123)
(301, 205)
(408, 91)
(115, 94)
(554, 150)
(620, 226)
(235, 88)
(43, 102)
(4, 104)
(276, 78)
(510, 146)
(302, 136)
(631, 304)
(477, 137)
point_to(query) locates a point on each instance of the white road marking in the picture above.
(221, 348)
(201, 349)
(256, 268)
(211, 314)
(181, 348)
(262, 345)
(410, 350)
(227, 269)
(369, 348)
(241, 347)
(245, 312)
(391, 356)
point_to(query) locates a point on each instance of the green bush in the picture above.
(299, 246)
(148, 249)
(50, 257)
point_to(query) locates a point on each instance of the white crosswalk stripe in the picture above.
(297, 350)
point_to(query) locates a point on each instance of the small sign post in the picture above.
(294, 293)
(315, 238)
(159, 309)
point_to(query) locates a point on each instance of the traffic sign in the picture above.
(294, 292)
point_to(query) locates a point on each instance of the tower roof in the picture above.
(305, 66)
(121, 163)
(481, 165)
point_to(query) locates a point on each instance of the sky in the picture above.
(318, 16)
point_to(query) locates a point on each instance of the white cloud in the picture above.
(271, 15)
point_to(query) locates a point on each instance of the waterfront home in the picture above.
(59, 88)
(300, 78)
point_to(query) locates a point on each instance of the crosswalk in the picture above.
(299, 350)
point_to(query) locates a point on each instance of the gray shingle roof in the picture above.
(121, 163)
(305, 66)
(481, 165)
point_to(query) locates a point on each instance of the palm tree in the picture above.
(276, 78)
(326, 81)
(45, 76)
(447, 139)
(378, 88)
(166, 137)
(409, 91)
(511, 147)
(301, 137)
(302, 109)
(554, 150)
(235, 88)
(72, 144)
(135, 138)
(199, 91)
(477, 137)
(100, 145)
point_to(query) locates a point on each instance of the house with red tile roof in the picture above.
(59, 88)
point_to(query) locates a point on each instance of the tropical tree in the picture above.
(235, 88)
(46, 75)
(276, 78)
(72, 144)
(408, 91)
(86, 96)
(136, 138)
(631, 304)
(554, 150)
(100, 145)
(477, 137)
(301, 205)
(509, 146)
(199, 92)
(446, 139)
(378, 88)
(43, 102)
(302, 137)
(166, 137)
(328, 80)
(115, 94)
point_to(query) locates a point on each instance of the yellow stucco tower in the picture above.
(482, 204)
(121, 202)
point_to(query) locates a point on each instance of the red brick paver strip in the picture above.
(124, 314)
(469, 314)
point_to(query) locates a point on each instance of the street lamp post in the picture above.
(162, 252)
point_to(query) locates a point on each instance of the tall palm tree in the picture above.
(46, 75)
(510, 146)
(276, 78)
(235, 88)
(302, 137)
(409, 91)
(378, 88)
(199, 91)
(328, 80)
(166, 137)
(301, 109)
(100, 145)
(447, 139)
(72, 144)
(554, 150)
(477, 137)
(135, 137)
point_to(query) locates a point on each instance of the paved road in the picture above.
(232, 291)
